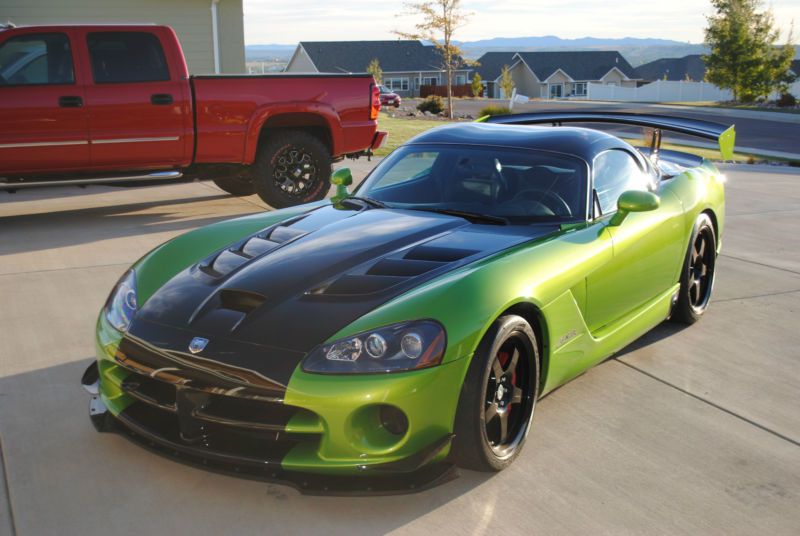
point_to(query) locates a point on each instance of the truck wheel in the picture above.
(238, 186)
(292, 167)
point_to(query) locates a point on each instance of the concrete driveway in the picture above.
(692, 430)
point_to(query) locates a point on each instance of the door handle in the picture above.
(161, 99)
(70, 101)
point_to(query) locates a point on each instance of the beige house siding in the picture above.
(524, 80)
(300, 62)
(191, 20)
(616, 77)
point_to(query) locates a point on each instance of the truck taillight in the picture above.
(375, 106)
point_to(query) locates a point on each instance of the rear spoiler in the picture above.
(724, 135)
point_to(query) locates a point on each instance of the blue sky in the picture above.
(290, 21)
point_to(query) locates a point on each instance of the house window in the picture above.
(430, 80)
(396, 84)
(556, 91)
(461, 79)
(580, 89)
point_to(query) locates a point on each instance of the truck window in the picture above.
(35, 59)
(123, 57)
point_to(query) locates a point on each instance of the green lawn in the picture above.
(401, 130)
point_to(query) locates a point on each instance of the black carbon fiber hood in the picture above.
(292, 286)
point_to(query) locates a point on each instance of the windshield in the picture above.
(517, 185)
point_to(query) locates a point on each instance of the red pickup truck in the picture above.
(100, 104)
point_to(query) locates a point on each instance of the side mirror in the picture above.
(634, 201)
(342, 178)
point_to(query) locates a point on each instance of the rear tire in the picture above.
(292, 167)
(238, 186)
(483, 441)
(697, 273)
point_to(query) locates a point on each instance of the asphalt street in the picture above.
(766, 131)
(688, 431)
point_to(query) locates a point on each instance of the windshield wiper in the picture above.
(474, 217)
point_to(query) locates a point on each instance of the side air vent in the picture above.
(240, 300)
(403, 267)
(438, 254)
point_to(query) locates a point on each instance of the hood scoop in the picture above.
(226, 309)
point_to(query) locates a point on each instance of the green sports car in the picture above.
(410, 326)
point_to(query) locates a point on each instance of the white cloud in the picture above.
(290, 21)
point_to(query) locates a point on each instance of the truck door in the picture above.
(137, 107)
(43, 121)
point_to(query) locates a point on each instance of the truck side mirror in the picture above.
(634, 201)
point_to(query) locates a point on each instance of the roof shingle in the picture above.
(355, 56)
(674, 68)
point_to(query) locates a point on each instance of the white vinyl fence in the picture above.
(667, 91)
(659, 91)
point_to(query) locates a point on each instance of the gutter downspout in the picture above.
(215, 34)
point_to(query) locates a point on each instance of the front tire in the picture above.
(292, 167)
(498, 397)
(697, 275)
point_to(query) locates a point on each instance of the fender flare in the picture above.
(263, 114)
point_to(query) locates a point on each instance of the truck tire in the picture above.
(292, 167)
(238, 186)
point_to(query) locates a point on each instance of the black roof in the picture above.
(583, 143)
(492, 63)
(579, 65)
(796, 67)
(355, 56)
(674, 68)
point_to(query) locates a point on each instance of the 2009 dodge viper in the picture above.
(412, 324)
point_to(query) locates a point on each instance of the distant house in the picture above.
(406, 64)
(553, 75)
(686, 68)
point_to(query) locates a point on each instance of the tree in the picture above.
(374, 68)
(743, 55)
(506, 82)
(477, 85)
(439, 21)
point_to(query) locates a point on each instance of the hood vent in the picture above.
(402, 267)
(426, 252)
(285, 233)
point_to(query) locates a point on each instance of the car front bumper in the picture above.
(323, 434)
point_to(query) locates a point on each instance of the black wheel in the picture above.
(697, 276)
(498, 397)
(292, 167)
(238, 186)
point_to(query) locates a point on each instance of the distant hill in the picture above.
(269, 52)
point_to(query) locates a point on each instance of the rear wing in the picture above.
(724, 135)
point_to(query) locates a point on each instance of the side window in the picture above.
(616, 172)
(36, 59)
(122, 57)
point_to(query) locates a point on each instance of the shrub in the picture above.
(786, 100)
(433, 104)
(494, 110)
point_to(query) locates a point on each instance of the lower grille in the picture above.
(205, 414)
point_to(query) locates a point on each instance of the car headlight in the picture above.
(123, 302)
(397, 347)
